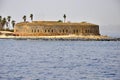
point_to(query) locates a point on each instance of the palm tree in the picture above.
(8, 23)
(13, 23)
(0, 18)
(64, 16)
(24, 18)
(31, 16)
(9, 18)
(3, 22)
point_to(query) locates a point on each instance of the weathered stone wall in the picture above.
(49, 30)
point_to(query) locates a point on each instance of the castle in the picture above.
(54, 28)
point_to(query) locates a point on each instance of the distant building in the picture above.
(52, 28)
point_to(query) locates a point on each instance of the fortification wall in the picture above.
(52, 30)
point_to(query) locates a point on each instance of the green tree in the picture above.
(8, 18)
(13, 23)
(3, 22)
(8, 23)
(24, 18)
(60, 21)
(0, 18)
(64, 16)
(31, 17)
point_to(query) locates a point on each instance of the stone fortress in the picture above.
(55, 28)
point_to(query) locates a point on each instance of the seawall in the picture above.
(69, 37)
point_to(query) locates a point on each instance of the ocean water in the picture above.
(59, 60)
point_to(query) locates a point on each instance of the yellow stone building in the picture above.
(52, 28)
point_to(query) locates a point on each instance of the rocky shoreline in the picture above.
(62, 38)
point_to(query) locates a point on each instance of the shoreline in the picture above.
(64, 37)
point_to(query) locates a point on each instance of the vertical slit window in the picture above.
(66, 31)
(52, 30)
(63, 30)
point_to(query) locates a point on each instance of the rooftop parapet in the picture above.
(38, 23)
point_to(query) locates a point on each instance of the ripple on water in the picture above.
(59, 60)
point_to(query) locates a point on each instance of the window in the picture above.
(45, 30)
(38, 30)
(66, 31)
(76, 31)
(63, 30)
(32, 30)
(52, 30)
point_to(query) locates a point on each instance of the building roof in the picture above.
(52, 23)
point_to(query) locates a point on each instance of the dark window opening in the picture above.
(66, 31)
(63, 31)
(32, 30)
(51, 30)
(45, 30)
(38, 30)
(76, 31)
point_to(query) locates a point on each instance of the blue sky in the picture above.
(102, 12)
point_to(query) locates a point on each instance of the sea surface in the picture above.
(59, 60)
